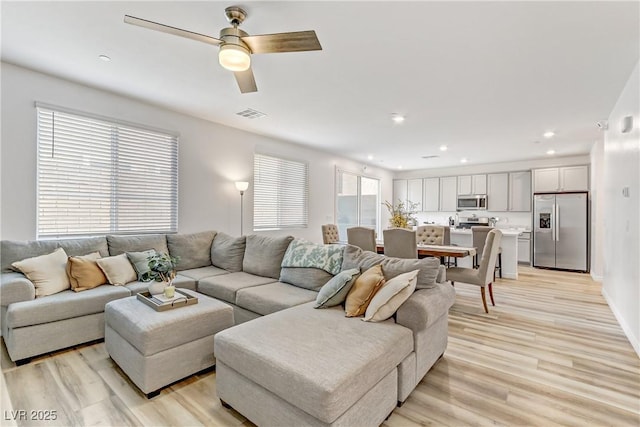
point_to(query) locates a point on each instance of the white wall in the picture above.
(597, 209)
(621, 283)
(211, 158)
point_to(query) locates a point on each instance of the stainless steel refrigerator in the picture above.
(560, 231)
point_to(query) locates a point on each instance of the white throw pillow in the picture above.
(391, 296)
(47, 272)
(118, 269)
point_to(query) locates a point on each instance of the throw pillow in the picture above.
(391, 296)
(363, 290)
(140, 262)
(307, 278)
(335, 291)
(84, 273)
(47, 272)
(117, 269)
(228, 252)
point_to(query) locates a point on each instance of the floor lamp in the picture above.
(241, 186)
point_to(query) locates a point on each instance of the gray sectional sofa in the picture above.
(284, 362)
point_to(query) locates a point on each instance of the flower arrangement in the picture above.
(401, 215)
(162, 268)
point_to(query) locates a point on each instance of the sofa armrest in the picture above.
(426, 306)
(15, 287)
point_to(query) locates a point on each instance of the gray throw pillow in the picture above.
(354, 257)
(335, 291)
(193, 250)
(264, 254)
(305, 277)
(228, 252)
(428, 269)
(140, 262)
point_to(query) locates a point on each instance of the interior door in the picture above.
(571, 231)
(544, 245)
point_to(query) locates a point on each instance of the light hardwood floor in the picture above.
(549, 353)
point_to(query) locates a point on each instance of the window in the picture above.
(97, 176)
(280, 194)
(357, 201)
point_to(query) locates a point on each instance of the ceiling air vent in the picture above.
(434, 156)
(250, 113)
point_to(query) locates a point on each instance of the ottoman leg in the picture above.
(152, 394)
(23, 361)
(225, 404)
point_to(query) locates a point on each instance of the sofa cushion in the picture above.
(84, 273)
(63, 305)
(179, 282)
(267, 299)
(336, 289)
(47, 272)
(84, 246)
(390, 297)
(121, 244)
(12, 251)
(322, 373)
(198, 274)
(308, 278)
(194, 250)
(363, 290)
(227, 252)
(263, 255)
(117, 269)
(224, 287)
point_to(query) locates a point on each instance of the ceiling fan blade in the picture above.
(298, 41)
(171, 30)
(245, 80)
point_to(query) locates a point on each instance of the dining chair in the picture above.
(363, 237)
(430, 235)
(330, 234)
(400, 243)
(479, 235)
(482, 276)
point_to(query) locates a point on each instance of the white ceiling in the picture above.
(484, 78)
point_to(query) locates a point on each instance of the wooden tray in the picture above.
(181, 300)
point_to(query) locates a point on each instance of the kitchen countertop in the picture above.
(505, 231)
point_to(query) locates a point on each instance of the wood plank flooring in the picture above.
(549, 353)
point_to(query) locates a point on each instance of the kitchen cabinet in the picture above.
(498, 192)
(568, 178)
(414, 193)
(399, 191)
(472, 184)
(519, 191)
(448, 193)
(524, 247)
(431, 194)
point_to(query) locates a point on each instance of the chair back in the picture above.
(400, 243)
(363, 237)
(447, 235)
(489, 256)
(330, 234)
(430, 234)
(479, 234)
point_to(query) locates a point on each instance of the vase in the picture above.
(156, 288)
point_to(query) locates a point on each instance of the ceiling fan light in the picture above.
(234, 57)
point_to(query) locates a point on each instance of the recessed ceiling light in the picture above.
(443, 148)
(370, 157)
(463, 160)
(536, 142)
(400, 167)
(105, 58)
(397, 118)
(551, 152)
(548, 134)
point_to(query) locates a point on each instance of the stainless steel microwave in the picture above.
(472, 203)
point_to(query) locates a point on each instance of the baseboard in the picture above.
(596, 278)
(633, 340)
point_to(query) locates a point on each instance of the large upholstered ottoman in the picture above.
(308, 367)
(155, 348)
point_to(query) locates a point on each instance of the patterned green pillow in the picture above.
(335, 291)
(140, 262)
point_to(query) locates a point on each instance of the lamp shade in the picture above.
(242, 185)
(234, 57)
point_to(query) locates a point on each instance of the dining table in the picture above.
(439, 251)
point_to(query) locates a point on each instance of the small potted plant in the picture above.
(162, 271)
(402, 216)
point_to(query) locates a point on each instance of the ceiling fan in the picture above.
(236, 46)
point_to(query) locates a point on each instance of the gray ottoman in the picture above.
(155, 348)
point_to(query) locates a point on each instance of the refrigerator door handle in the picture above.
(557, 222)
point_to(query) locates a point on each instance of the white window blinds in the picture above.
(280, 194)
(97, 176)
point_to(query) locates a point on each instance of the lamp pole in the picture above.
(242, 187)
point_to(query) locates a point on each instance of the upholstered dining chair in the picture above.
(400, 243)
(363, 237)
(479, 234)
(483, 276)
(330, 234)
(430, 234)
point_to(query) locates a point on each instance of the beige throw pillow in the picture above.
(363, 290)
(117, 269)
(47, 272)
(391, 296)
(84, 273)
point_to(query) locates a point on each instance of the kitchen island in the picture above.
(509, 245)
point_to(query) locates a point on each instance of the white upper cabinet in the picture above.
(520, 191)
(414, 193)
(448, 196)
(472, 184)
(431, 194)
(399, 191)
(569, 178)
(498, 192)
